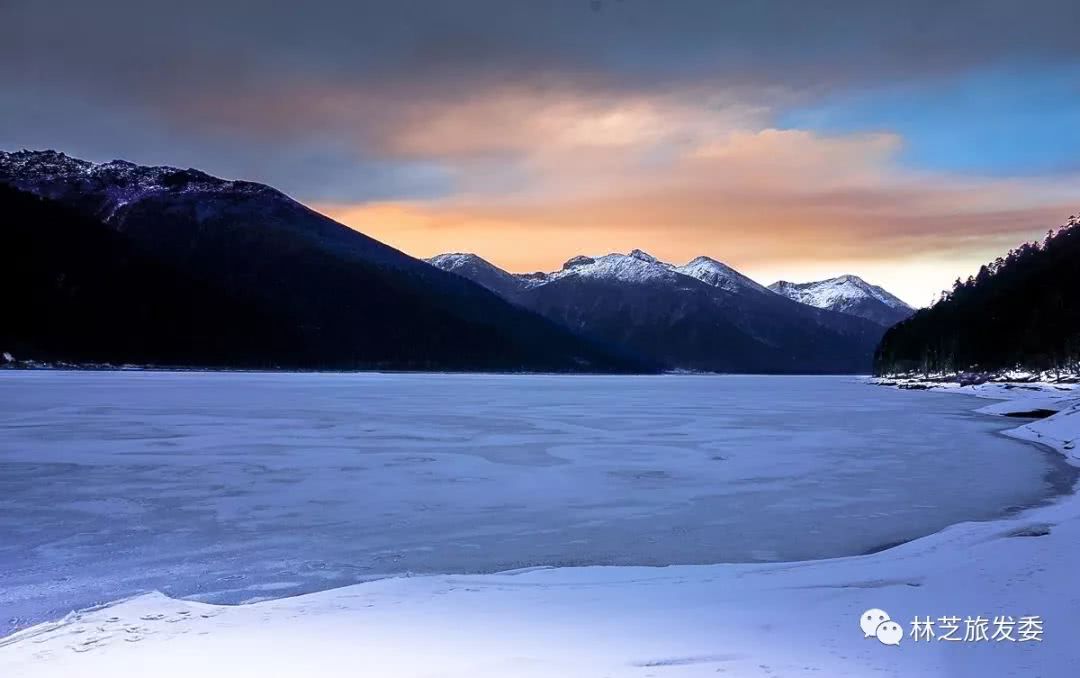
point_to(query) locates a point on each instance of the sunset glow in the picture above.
(597, 127)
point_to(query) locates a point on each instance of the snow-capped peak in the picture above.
(53, 165)
(641, 255)
(51, 173)
(482, 271)
(452, 261)
(836, 292)
(847, 294)
(579, 260)
(636, 267)
(717, 274)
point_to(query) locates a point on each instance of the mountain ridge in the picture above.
(847, 294)
(703, 315)
(635, 267)
(356, 303)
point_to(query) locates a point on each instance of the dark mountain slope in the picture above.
(352, 301)
(1021, 311)
(75, 290)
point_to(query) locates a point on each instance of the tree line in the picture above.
(1020, 311)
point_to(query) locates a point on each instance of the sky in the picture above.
(906, 142)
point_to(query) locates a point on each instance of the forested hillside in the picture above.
(118, 263)
(1021, 311)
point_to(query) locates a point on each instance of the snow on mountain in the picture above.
(847, 294)
(702, 315)
(720, 275)
(637, 267)
(139, 200)
(454, 261)
(837, 291)
(45, 166)
(483, 272)
(349, 300)
(56, 175)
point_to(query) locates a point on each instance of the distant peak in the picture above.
(709, 263)
(839, 293)
(26, 153)
(579, 260)
(718, 274)
(482, 272)
(452, 261)
(847, 278)
(117, 184)
(642, 255)
(448, 256)
(50, 160)
(59, 164)
(850, 278)
(702, 260)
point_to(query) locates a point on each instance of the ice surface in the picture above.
(234, 487)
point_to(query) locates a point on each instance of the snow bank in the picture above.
(742, 620)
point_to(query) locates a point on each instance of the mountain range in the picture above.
(273, 283)
(848, 294)
(121, 263)
(703, 315)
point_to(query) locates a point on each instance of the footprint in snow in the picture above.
(89, 643)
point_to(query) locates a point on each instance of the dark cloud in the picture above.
(142, 43)
(211, 82)
(538, 128)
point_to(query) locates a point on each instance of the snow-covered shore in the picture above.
(744, 620)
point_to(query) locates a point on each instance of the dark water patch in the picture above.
(1032, 414)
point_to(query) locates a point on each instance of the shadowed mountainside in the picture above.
(293, 287)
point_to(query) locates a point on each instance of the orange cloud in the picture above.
(681, 178)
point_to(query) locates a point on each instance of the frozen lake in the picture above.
(230, 487)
